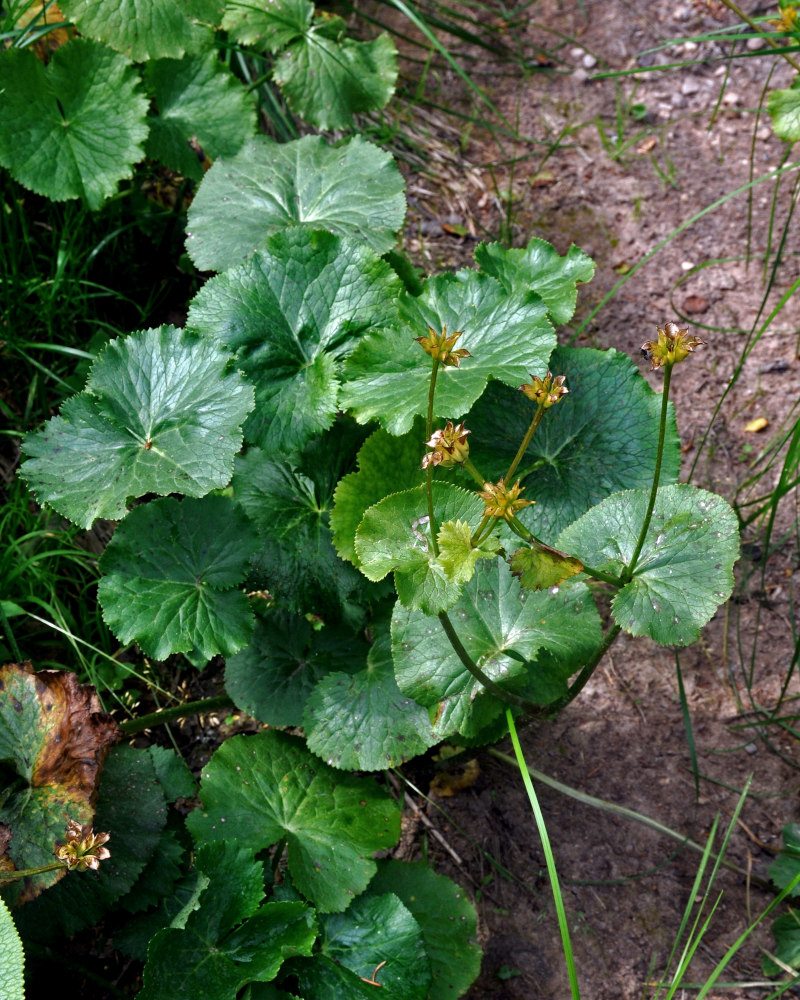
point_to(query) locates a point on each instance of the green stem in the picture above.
(484, 530)
(627, 573)
(165, 715)
(26, 872)
(524, 446)
(470, 468)
(589, 668)
(429, 470)
(506, 696)
(756, 27)
(520, 529)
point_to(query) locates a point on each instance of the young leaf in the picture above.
(539, 566)
(73, 128)
(12, 958)
(326, 78)
(232, 938)
(376, 930)
(494, 619)
(292, 313)
(262, 788)
(395, 535)
(601, 438)
(199, 101)
(784, 107)
(146, 29)
(362, 721)
(161, 413)
(507, 336)
(272, 678)
(685, 570)
(446, 918)
(354, 190)
(539, 268)
(55, 737)
(456, 552)
(270, 27)
(171, 573)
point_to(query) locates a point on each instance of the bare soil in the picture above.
(588, 172)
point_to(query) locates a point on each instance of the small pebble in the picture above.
(689, 86)
(754, 44)
(589, 61)
(687, 265)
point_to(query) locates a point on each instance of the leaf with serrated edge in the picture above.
(12, 986)
(73, 128)
(508, 336)
(161, 413)
(292, 313)
(362, 721)
(492, 617)
(261, 788)
(171, 573)
(353, 190)
(199, 102)
(395, 535)
(146, 29)
(456, 552)
(446, 918)
(540, 268)
(685, 570)
(784, 107)
(539, 566)
(328, 80)
(585, 448)
(270, 27)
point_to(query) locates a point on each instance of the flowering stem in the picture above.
(627, 573)
(470, 468)
(27, 872)
(525, 442)
(131, 726)
(506, 696)
(428, 469)
(482, 531)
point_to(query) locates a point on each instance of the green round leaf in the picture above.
(784, 107)
(261, 788)
(685, 570)
(540, 268)
(494, 619)
(73, 128)
(327, 80)
(291, 314)
(161, 413)
(599, 439)
(394, 535)
(507, 335)
(362, 721)
(146, 29)
(446, 918)
(171, 570)
(272, 678)
(354, 190)
(12, 958)
(269, 27)
(199, 101)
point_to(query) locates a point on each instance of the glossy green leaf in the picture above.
(171, 576)
(232, 938)
(161, 413)
(292, 314)
(784, 107)
(362, 721)
(270, 26)
(272, 678)
(446, 918)
(173, 910)
(73, 128)
(457, 555)
(199, 102)
(599, 439)
(146, 29)
(685, 570)
(259, 789)
(540, 268)
(502, 628)
(508, 336)
(12, 958)
(327, 78)
(353, 190)
(394, 535)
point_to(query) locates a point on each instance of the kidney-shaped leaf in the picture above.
(270, 26)
(501, 627)
(291, 314)
(171, 573)
(74, 128)
(685, 570)
(784, 107)
(261, 788)
(161, 413)
(507, 336)
(351, 190)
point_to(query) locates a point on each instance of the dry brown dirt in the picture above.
(625, 740)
